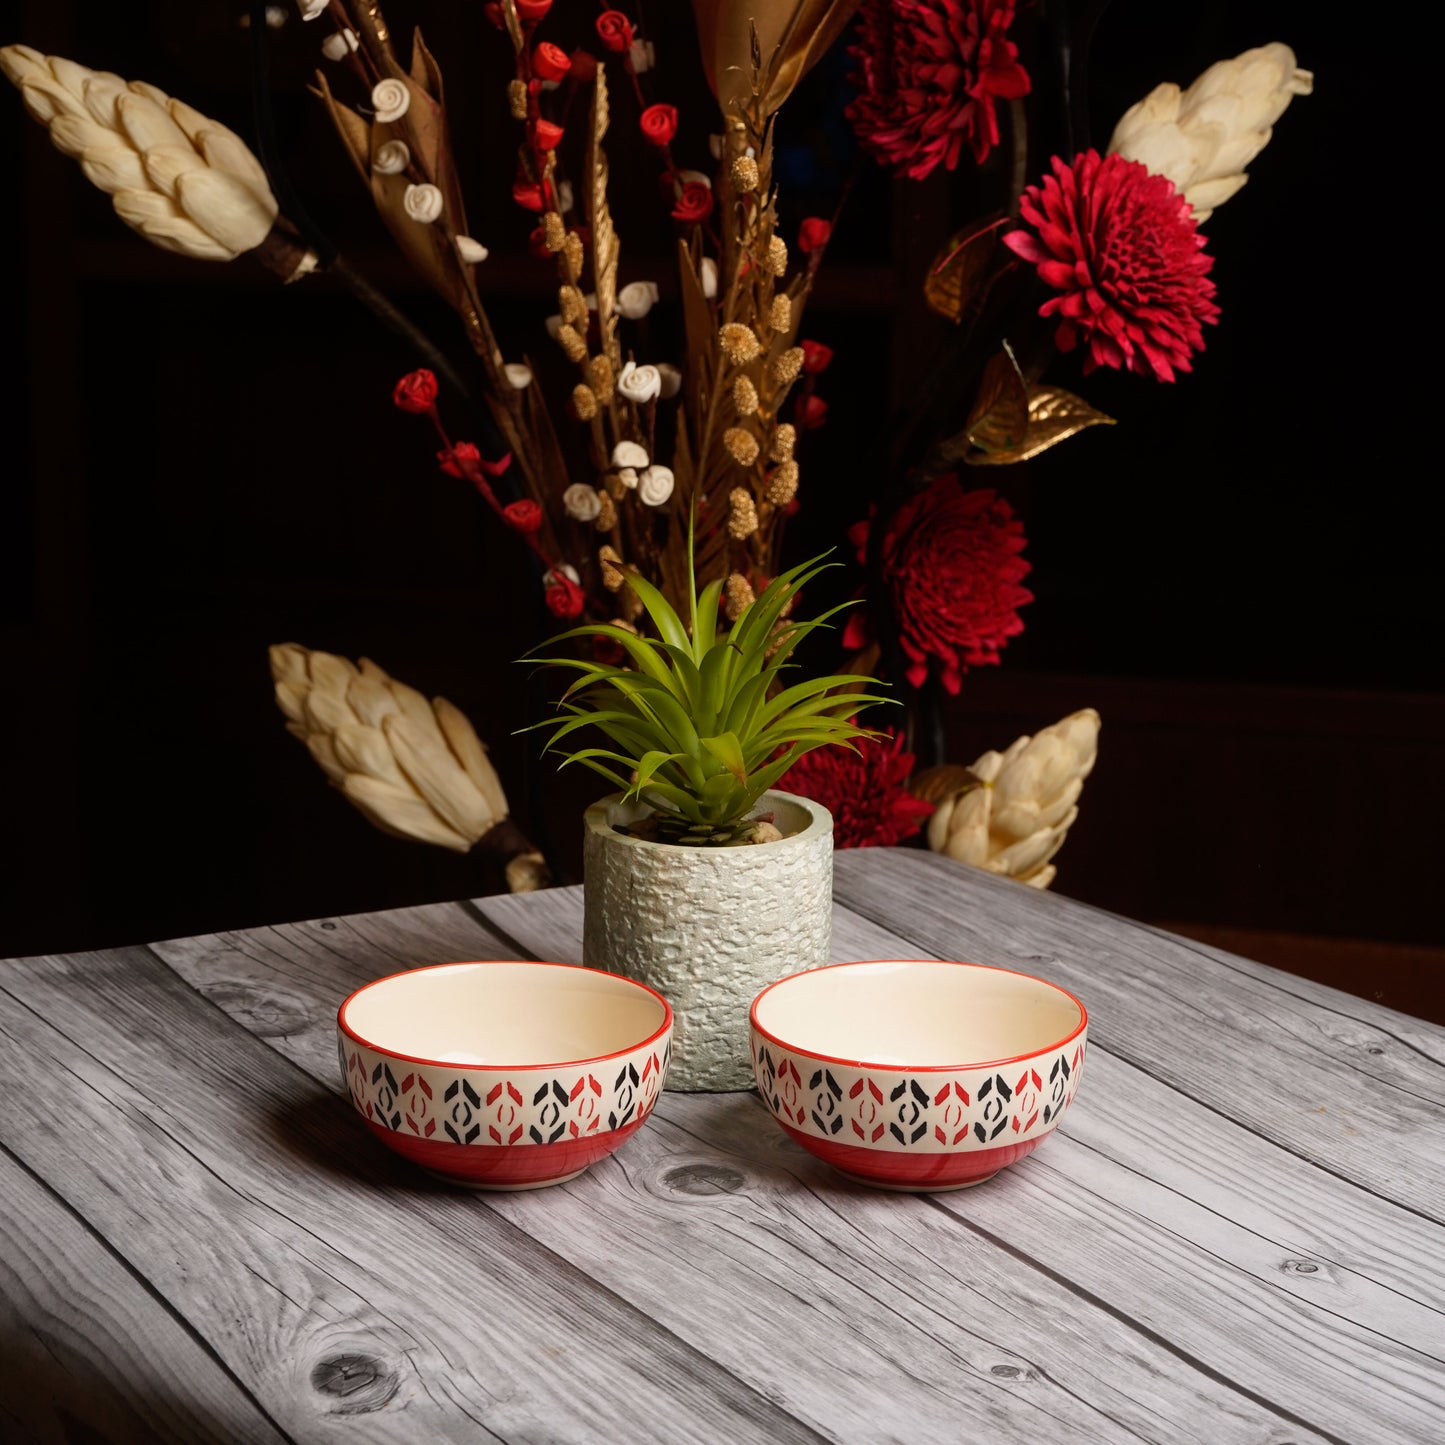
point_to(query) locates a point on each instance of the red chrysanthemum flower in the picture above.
(929, 72)
(866, 792)
(953, 567)
(1121, 245)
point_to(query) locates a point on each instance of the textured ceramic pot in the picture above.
(709, 927)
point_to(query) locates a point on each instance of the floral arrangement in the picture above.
(1086, 250)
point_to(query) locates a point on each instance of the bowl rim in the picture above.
(958, 1068)
(652, 1038)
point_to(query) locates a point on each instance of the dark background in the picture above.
(1241, 575)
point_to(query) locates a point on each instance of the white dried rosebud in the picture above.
(745, 174)
(671, 381)
(311, 9)
(695, 178)
(391, 99)
(1203, 138)
(784, 440)
(655, 485)
(520, 376)
(741, 445)
(553, 326)
(745, 396)
(715, 144)
(340, 45)
(581, 502)
(643, 55)
(392, 158)
(472, 252)
(628, 477)
(639, 383)
(776, 259)
(707, 274)
(739, 343)
(564, 196)
(629, 454)
(636, 299)
(423, 203)
(742, 514)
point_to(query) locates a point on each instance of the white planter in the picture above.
(709, 928)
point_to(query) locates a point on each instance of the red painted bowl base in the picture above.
(504, 1167)
(914, 1173)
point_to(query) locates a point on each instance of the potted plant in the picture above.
(699, 879)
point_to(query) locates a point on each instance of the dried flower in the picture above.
(391, 99)
(523, 516)
(564, 598)
(529, 12)
(745, 174)
(600, 377)
(1203, 138)
(614, 30)
(554, 231)
(546, 134)
(517, 99)
(1123, 248)
(671, 381)
(741, 445)
(742, 514)
(784, 370)
(627, 479)
(639, 383)
(416, 392)
(865, 788)
(629, 454)
(655, 484)
(814, 234)
(572, 252)
(462, 460)
(784, 440)
(584, 402)
(340, 45)
(571, 342)
(693, 204)
(780, 317)
(473, 253)
(776, 259)
(606, 513)
(392, 158)
(745, 396)
(609, 560)
(642, 54)
(737, 594)
(707, 277)
(953, 567)
(423, 203)
(571, 305)
(783, 484)
(528, 195)
(312, 9)
(659, 124)
(637, 298)
(581, 502)
(739, 342)
(816, 357)
(518, 375)
(811, 412)
(550, 62)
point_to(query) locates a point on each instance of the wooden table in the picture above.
(1236, 1235)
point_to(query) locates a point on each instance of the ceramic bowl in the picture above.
(914, 1074)
(504, 1075)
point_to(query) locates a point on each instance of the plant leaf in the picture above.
(958, 271)
(1054, 416)
(728, 751)
(1000, 414)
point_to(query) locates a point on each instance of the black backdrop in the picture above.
(200, 463)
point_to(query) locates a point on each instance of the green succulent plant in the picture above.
(701, 724)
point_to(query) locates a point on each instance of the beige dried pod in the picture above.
(741, 445)
(1015, 812)
(584, 402)
(737, 594)
(182, 180)
(601, 378)
(784, 370)
(745, 396)
(780, 315)
(745, 174)
(517, 99)
(783, 484)
(784, 440)
(739, 342)
(571, 342)
(742, 514)
(572, 253)
(775, 260)
(571, 305)
(609, 560)
(606, 512)
(554, 231)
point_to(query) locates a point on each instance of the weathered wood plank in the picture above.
(1264, 1058)
(86, 1352)
(829, 1298)
(1342, 1333)
(353, 1297)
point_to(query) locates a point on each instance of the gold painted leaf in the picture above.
(605, 245)
(1000, 415)
(959, 269)
(1053, 415)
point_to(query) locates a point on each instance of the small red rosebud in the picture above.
(614, 30)
(607, 650)
(524, 516)
(416, 392)
(811, 413)
(659, 124)
(537, 244)
(816, 357)
(528, 195)
(547, 134)
(493, 11)
(460, 461)
(584, 66)
(814, 233)
(563, 596)
(694, 204)
(793, 508)
(550, 62)
(531, 11)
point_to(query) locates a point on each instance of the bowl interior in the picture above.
(917, 1014)
(504, 1014)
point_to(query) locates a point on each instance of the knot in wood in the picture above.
(356, 1384)
(1300, 1266)
(703, 1179)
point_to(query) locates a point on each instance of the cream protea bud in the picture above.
(601, 378)
(784, 440)
(780, 316)
(609, 560)
(185, 182)
(571, 305)
(745, 396)
(783, 484)
(606, 512)
(571, 342)
(742, 514)
(739, 343)
(572, 252)
(776, 259)
(745, 174)
(584, 402)
(786, 369)
(741, 445)
(554, 231)
(517, 99)
(1203, 138)
(737, 594)
(1016, 815)
(414, 768)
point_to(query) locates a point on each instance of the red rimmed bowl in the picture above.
(504, 1075)
(914, 1074)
